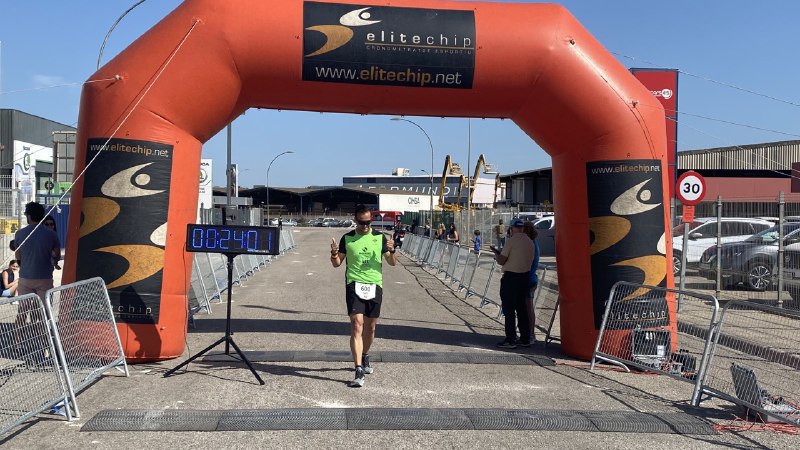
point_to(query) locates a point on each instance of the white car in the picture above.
(703, 234)
(546, 229)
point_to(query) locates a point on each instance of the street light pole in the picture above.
(269, 167)
(431, 173)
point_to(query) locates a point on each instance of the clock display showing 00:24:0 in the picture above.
(231, 239)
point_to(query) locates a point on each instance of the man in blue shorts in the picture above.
(363, 249)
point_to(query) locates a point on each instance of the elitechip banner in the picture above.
(387, 45)
(663, 84)
(122, 236)
(626, 223)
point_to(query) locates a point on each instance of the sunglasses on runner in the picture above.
(364, 223)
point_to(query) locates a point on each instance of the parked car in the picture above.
(792, 275)
(703, 234)
(751, 262)
(546, 229)
(328, 222)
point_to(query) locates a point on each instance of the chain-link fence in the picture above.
(755, 361)
(741, 250)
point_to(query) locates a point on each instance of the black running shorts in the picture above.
(369, 308)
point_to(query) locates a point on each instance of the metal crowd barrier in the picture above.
(755, 360)
(635, 331)
(31, 380)
(85, 333)
(51, 349)
(469, 270)
(545, 303)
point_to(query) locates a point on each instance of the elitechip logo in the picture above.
(388, 45)
(339, 35)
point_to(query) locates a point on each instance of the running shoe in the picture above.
(359, 379)
(367, 367)
(507, 344)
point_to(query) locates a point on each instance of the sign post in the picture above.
(690, 189)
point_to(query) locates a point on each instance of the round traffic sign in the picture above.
(691, 188)
(48, 185)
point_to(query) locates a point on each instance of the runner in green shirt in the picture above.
(363, 248)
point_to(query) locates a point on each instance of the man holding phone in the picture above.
(516, 259)
(363, 249)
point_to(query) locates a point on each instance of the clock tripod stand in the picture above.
(230, 241)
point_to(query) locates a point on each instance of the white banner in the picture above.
(26, 155)
(404, 202)
(206, 197)
(484, 193)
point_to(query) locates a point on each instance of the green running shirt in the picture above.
(363, 253)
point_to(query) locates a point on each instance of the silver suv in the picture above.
(703, 234)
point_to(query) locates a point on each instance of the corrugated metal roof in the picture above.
(767, 156)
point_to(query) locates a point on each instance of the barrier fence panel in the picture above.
(199, 299)
(755, 361)
(30, 379)
(635, 331)
(491, 293)
(469, 270)
(546, 303)
(480, 277)
(219, 270)
(461, 266)
(408, 245)
(444, 258)
(210, 274)
(439, 258)
(432, 252)
(452, 264)
(85, 331)
(424, 249)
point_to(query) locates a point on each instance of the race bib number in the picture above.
(366, 291)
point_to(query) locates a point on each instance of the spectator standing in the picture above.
(500, 235)
(441, 232)
(50, 222)
(516, 259)
(531, 232)
(37, 246)
(452, 234)
(363, 248)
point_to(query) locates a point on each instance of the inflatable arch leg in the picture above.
(208, 61)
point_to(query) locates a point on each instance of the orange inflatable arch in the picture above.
(152, 107)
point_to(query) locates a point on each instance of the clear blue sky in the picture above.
(748, 44)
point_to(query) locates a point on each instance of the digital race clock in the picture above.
(233, 239)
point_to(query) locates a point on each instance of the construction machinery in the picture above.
(483, 190)
(451, 168)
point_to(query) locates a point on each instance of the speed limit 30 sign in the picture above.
(691, 188)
